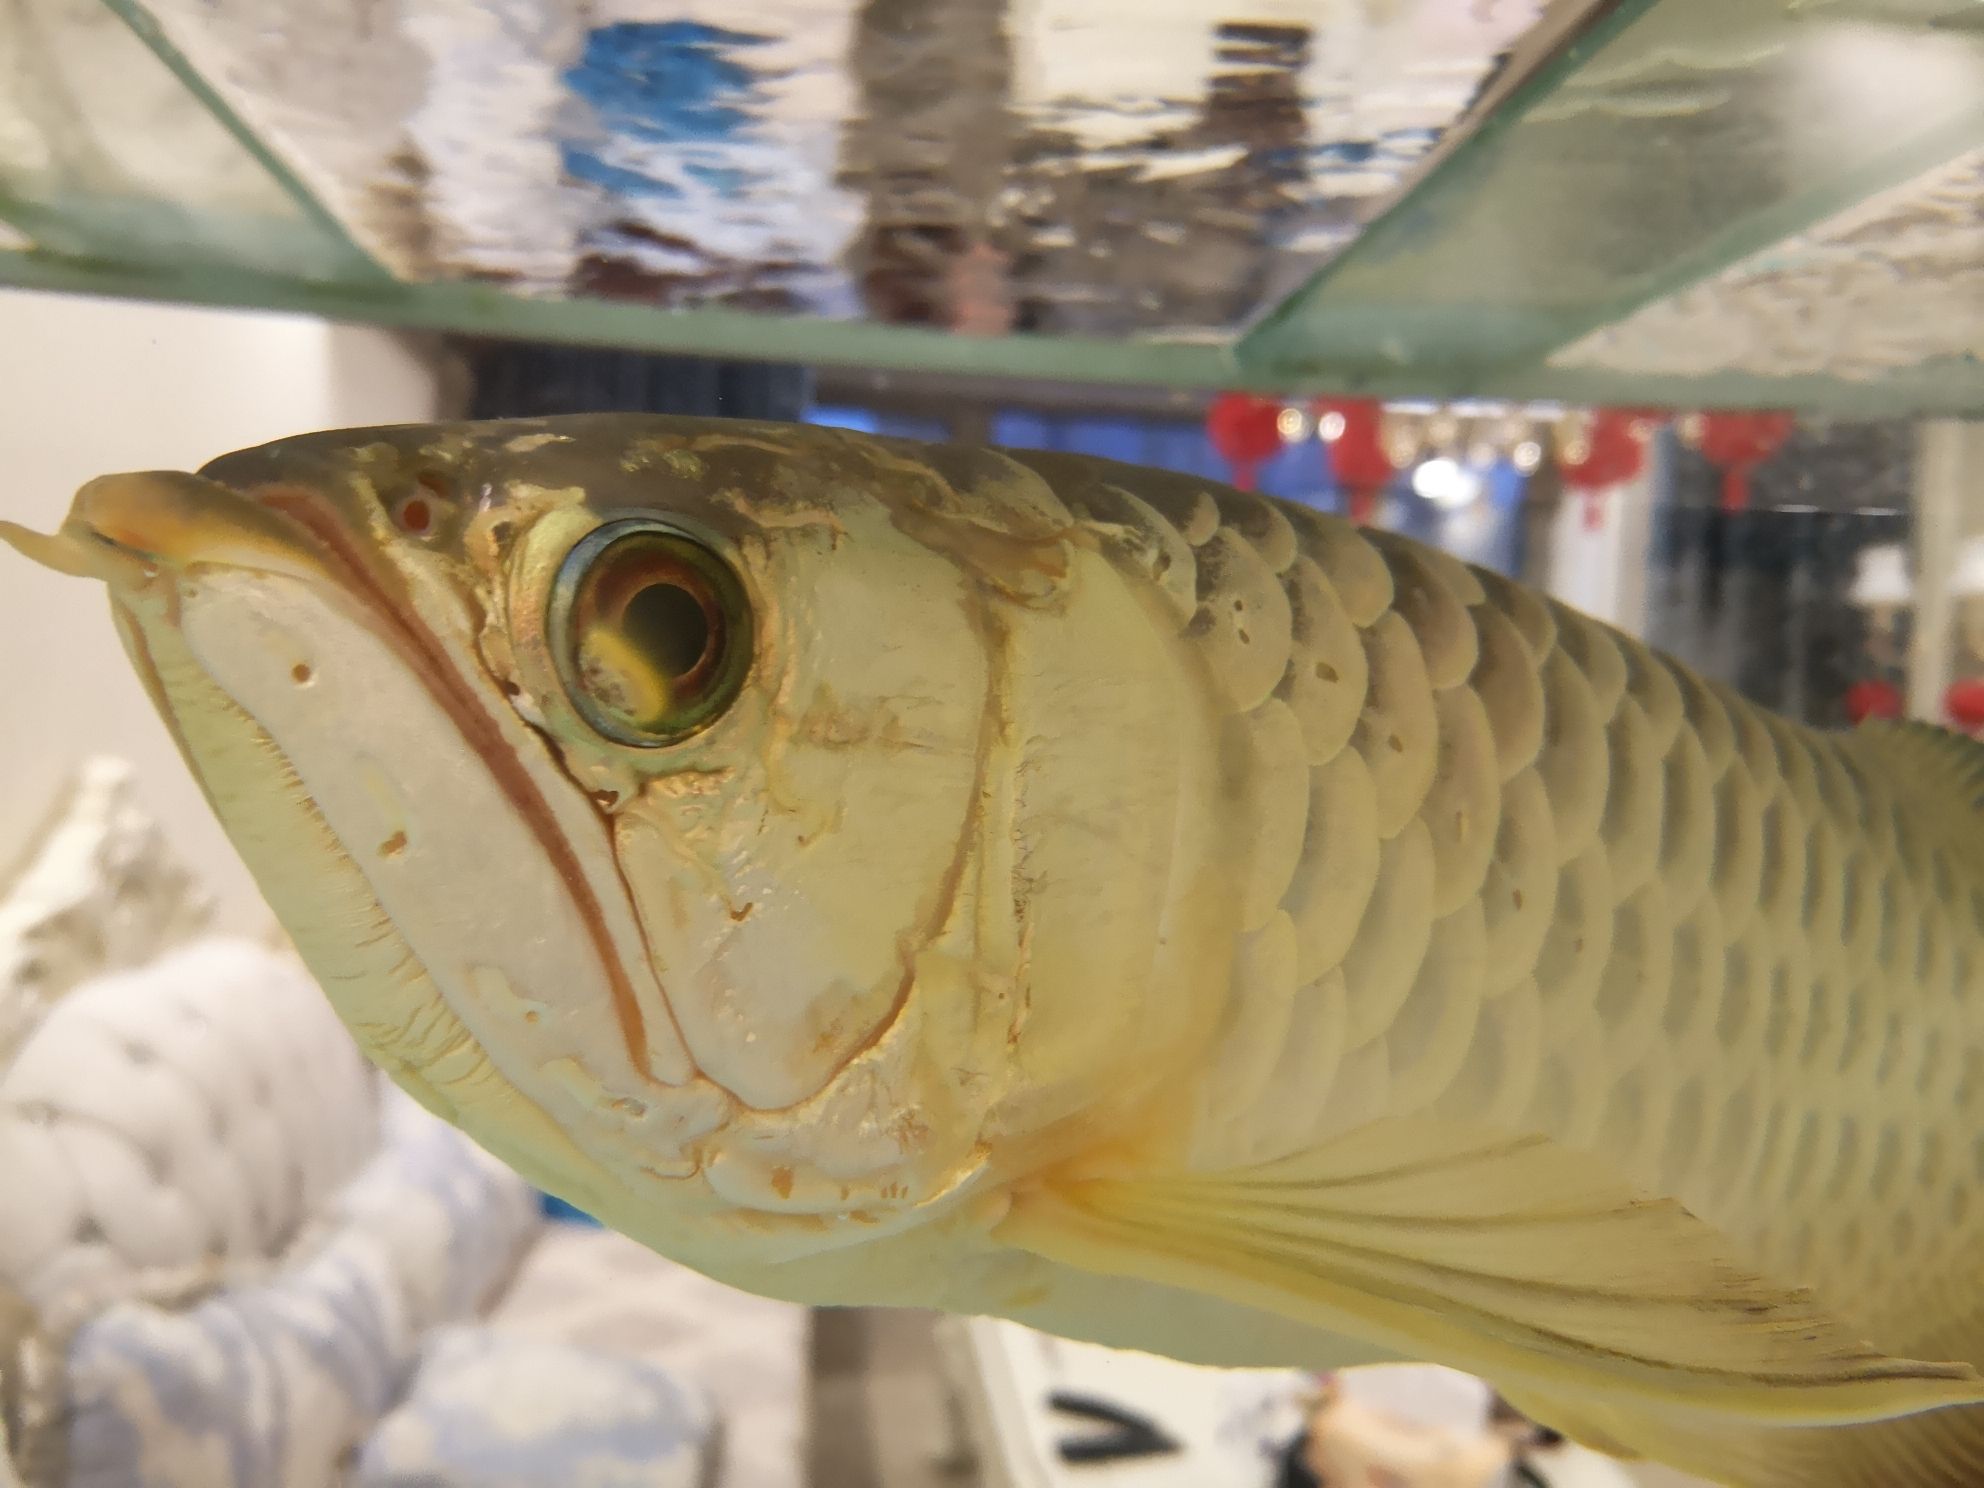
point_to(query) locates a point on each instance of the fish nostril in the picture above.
(414, 515)
(419, 511)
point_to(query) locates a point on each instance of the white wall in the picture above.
(93, 386)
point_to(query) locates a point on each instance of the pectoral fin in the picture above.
(1932, 1449)
(1514, 1258)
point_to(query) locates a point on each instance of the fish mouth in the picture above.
(130, 530)
(142, 534)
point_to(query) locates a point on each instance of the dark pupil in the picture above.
(668, 625)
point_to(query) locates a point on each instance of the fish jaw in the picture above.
(174, 521)
(331, 734)
(129, 530)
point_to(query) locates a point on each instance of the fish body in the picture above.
(1021, 884)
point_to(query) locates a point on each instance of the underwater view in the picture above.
(992, 744)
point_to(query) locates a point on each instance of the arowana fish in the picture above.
(1025, 885)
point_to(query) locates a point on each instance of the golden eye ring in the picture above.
(651, 631)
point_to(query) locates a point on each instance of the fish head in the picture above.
(625, 783)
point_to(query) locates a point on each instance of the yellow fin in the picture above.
(1934, 1449)
(1512, 1257)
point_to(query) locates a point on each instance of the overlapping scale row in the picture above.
(1506, 865)
(1380, 705)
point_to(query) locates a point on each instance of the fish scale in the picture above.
(1675, 813)
(1703, 836)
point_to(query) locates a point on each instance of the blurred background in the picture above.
(1674, 308)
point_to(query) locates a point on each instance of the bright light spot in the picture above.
(1528, 456)
(1290, 424)
(1331, 426)
(1448, 484)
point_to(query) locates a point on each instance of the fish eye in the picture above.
(651, 630)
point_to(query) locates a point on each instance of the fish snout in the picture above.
(128, 529)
